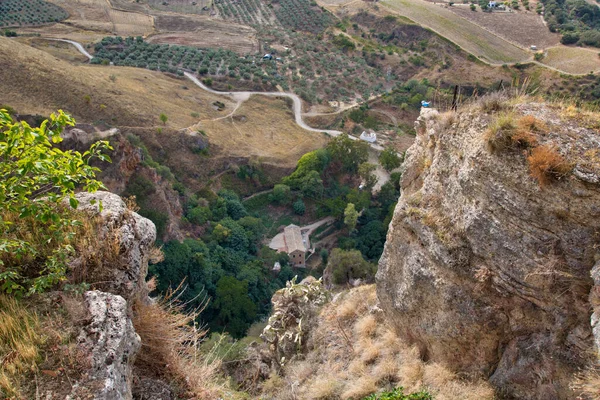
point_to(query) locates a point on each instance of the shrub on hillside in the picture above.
(506, 132)
(37, 224)
(347, 265)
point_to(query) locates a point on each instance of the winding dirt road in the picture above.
(241, 97)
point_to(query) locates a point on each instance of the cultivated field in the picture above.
(131, 23)
(464, 33)
(263, 127)
(98, 15)
(574, 60)
(471, 37)
(181, 6)
(523, 28)
(200, 31)
(16, 13)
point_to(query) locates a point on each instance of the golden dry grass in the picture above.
(21, 339)
(587, 384)
(263, 128)
(355, 353)
(507, 131)
(170, 347)
(34, 82)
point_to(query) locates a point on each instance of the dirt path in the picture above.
(242, 96)
(257, 194)
(77, 45)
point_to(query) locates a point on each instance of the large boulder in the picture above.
(484, 269)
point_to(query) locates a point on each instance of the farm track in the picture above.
(241, 97)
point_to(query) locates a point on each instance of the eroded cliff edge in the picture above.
(484, 268)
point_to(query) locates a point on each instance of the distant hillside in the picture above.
(35, 82)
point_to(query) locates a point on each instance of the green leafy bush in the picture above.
(36, 179)
(398, 394)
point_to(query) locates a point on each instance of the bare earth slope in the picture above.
(487, 271)
(34, 82)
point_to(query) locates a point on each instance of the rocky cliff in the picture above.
(486, 268)
(107, 343)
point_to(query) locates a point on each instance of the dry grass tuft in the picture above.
(436, 375)
(532, 124)
(366, 326)
(507, 132)
(587, 384)
(369, 352)
(546, 164)
(323, 387)
(354, 353)
(499, 134)
(493, 102)
(21, 340)
(170, 346)
(359, 388)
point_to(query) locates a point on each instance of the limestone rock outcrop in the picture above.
(484, 269)
(110, 343)
(130, 235)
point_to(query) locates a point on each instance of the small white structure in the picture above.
(276, 267)
(370, 137)
(492, 4)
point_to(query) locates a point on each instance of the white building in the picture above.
(370, 136)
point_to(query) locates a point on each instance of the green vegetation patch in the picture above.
(398, 394)
(578, 21)
(29, 12)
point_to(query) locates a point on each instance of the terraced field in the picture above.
(471, 37)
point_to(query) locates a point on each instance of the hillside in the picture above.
(34, 82)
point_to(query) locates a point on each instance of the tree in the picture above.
(349, 153)
(345, 265)
(350, 217)
(299, 207)
(389, 159)
(365, 171)
(35, 180)
(311, 185)
(163, 118)
(281, 194)
(236, 309)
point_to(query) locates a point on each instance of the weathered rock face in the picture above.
(107, 342)
(130, 234)
(484, 269)
(110, 344)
